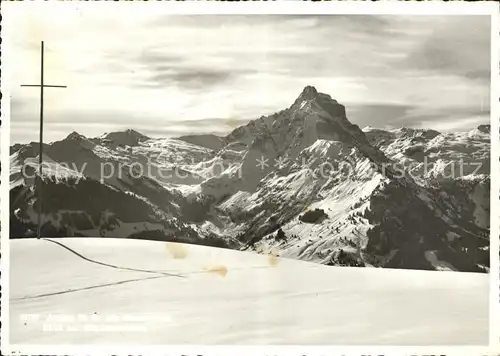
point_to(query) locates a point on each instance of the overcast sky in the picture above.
(175, 75)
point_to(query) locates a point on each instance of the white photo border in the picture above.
(277, 7)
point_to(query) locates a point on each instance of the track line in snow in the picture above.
(122, 282)
(87, 288)
(167, 274)
(159, 274)
(114, 266)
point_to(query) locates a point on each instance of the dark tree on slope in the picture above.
(280, 235)
(313, 216)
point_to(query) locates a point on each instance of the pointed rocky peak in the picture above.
(484, 128)
(308, 93)
(73, 140)
(126, 133)
(318, 102)
(75, 136)
(134, 133)
(129, 137)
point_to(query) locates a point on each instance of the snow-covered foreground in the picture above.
(168, 293)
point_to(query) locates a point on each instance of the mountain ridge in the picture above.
(212, 190)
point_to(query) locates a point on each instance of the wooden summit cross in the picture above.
(41, 86)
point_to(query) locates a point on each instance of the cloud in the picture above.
(377, 115)
(183, 72)
(199, 78)
(166, 74)
(396, 115)
(459, 45)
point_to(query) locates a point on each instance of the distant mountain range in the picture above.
(303, 183)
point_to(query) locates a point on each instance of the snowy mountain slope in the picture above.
(109, 189)
(455, 169)
(203, 295)
(259, 189)
(431, 154)
(373, 217)
(458, 163)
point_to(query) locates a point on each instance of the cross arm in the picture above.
(45, 86)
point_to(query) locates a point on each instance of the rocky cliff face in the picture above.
(371, 197)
